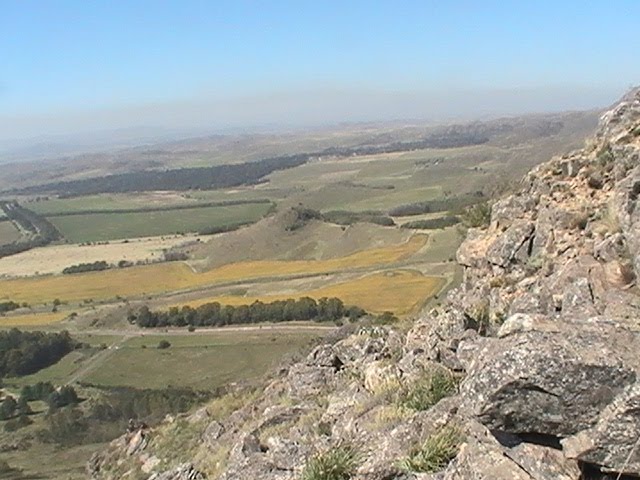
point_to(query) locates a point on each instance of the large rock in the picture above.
(512, 243)
(482, 457)
(549, 383)
(613, 442)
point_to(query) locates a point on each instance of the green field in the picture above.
(380, 182)
(110, 226)
(146, 200)
(202, 360)
(198, 361)
(8, 233)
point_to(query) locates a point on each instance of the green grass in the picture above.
(45, 461)
(57, 373)
(435, 453)
(339, 463)
(8, 233)
(146, 200)
(202, 361)
(110, 226)
(428, 391)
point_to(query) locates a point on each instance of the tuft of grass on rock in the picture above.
(435, 453)
(426, 393)
(339, 463)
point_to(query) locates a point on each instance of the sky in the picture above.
(68, 66)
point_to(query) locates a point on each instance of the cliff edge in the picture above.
(528, 371)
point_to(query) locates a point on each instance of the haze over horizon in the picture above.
(74, 67)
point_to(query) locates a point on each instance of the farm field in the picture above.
(206, 360)
(8, 233)
(110, 226)
(168, 277)
(31, 319)
(201, 359)
(399, 291)
(147, 200)
(54, 258)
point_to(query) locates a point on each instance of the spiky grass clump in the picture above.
(339, 463)
(426, 393)
(435, 453)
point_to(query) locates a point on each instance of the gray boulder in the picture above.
(545, 382)
(483, 457)
(612, 442)
(512, 243)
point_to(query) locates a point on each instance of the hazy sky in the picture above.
(84, 65)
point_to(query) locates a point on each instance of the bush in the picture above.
(8, 306)
(61, 398)
(605, 155)
(163, 344)
(426, 393)
(39, 391)
(338, 463)
(17, 423)
(8, 408)
(435, 453)
(478, 215)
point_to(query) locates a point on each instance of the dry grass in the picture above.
(53, 259)
(32, 319)
(402, 292)
(168, 277)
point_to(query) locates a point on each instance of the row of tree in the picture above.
(200, 178)
(87, 267)
(8, 306)
(452, 204)
(23, 353)
(433, 223)
(215, 314)
(223, 176)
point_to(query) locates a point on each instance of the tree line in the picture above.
(8, 306)
(181, 179)
(224, 176)
(23, 353)
(433, 223)
(86, 267)
(453, 204)
(216, 315)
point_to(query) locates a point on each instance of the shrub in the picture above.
(426, 393)
(605, 155)
(478, 215)
(163, 344)
(595, 181)
(62, 397)
(435, 453)
(338, 463)
(17, 423)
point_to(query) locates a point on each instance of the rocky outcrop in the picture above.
(532, 361)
